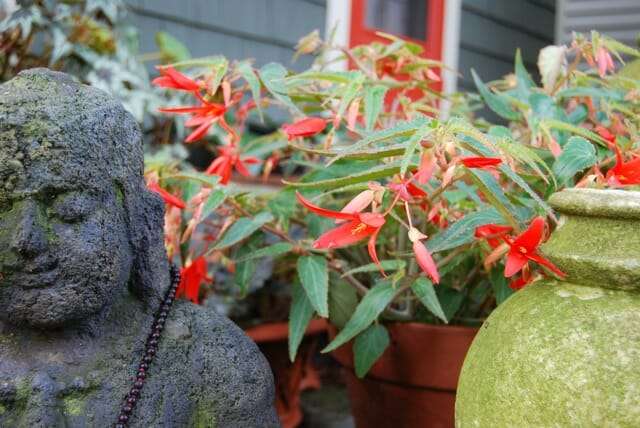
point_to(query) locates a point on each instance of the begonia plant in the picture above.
(387, 211)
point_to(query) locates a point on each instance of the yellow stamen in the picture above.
(359, 228)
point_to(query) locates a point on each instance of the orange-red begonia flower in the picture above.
(192, 278)
(166, 196)
(229, 159)
(357, 227)
(203, 116)
(525, 247)
(492, 233)
(306, 127)
(480, 162)
(173, 79)
(623, 173)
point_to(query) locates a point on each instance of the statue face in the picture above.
(64, 248)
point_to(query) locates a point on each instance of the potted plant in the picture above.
(397, 225)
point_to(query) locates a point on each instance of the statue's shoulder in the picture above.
(229, 364)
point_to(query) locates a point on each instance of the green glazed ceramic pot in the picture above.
(566, 353)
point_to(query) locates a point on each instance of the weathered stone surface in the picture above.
(83, 269)
(566, 353)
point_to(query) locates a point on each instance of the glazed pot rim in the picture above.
(609, 203)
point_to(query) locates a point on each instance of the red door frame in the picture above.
(361, 34)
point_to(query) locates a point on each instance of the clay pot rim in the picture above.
(279, 331)
(608, 203)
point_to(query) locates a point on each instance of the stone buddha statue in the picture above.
(83, 271)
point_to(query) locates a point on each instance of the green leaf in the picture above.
(219, 69)
(583, 132)
(300, 315)
(209, 180)
(450, 300)
(411, 145)
(372, 305)
(207, 61)
(401, 129)
(350, 91)
(368, 347)
(241, 229)
(386, 265)
(525, 82)
(373, 103)
(343, 301)
(171, 49)
(500, 285)
(462, 231)
(492, 190)
(247, 72)
(314, 276)
(375, 173)
(496, 102)
(274, 250)
(244, 270)
(577, 155)
(423, 289)
(215, 199)
(273, 77)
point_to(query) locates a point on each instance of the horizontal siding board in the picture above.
(487, 68)
(619, 19)
(522, 15)
(283, 21)
(494, 39)
(202, 42)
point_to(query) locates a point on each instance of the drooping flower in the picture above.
(480, 162)
(203, 116)
(306, 127)
(406, 190)
(423, 257)
(166, 196)
(524, 248)
(604, 61)
(522, 280)
(425, 171)
(358, 226)
(192, 277)
(228, 159)
(173, 79)
(623, 173)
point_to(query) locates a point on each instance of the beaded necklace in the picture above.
(151, 348)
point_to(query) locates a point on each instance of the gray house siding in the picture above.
(265, 30)
(492, 30)
(619, 19)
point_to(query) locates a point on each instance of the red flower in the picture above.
(306, 127)
(423, 257)
(191, 278)
(170, 78)
(203, 116)
(623, 173)
(406, 190)
(492, 233)
(357, 227)
(229, 159)
(521, 281)
(166, 196)
(525, 247)
(480, 162)
(606, 134)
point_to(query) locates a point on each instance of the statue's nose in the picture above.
(29, 238)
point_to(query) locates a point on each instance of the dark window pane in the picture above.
(406, 18)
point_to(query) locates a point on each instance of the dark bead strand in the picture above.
(151, 349)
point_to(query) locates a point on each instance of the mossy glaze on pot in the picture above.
(566, 353)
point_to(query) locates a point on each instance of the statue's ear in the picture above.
(150, 269)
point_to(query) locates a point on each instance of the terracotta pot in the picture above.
(414, 383)
(290, 378)
(566, 353)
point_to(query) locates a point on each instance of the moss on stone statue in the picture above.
(74, 405)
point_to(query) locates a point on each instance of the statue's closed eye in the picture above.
(72, 207)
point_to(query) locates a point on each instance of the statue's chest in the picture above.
(90, 395)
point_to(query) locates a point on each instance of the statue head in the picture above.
(77, 223)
